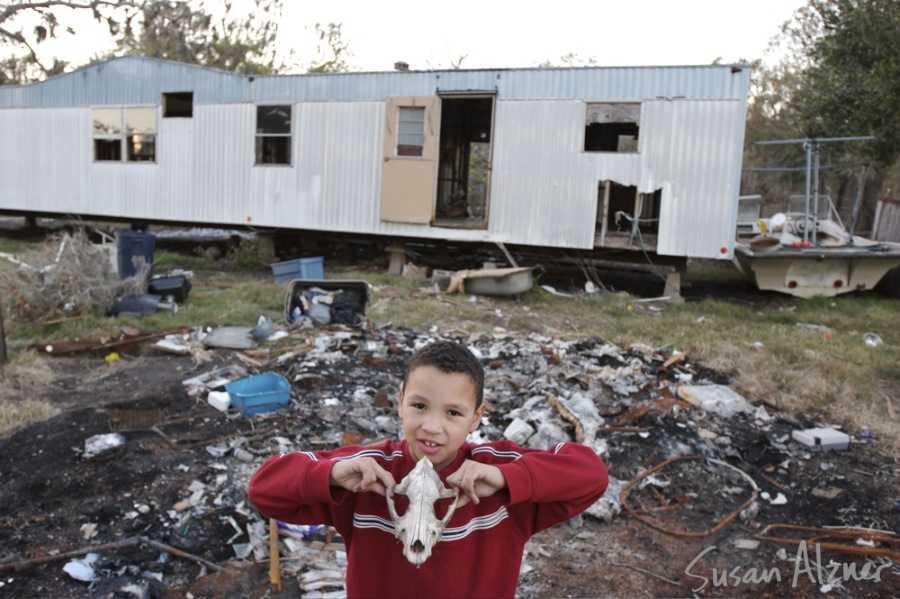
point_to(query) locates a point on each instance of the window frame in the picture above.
(410, 150)
(268, 143)
(607, 122)
(125, 148)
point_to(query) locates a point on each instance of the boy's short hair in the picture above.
(450, 357)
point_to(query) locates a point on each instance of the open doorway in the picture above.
(626, 217)
(464, 161)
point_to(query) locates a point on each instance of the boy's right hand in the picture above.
(361, 475)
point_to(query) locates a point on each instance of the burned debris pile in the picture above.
(688, 458)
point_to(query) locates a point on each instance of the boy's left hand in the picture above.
(475, 480)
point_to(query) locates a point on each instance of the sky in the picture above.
(505, 34)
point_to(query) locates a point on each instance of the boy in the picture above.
(507, 493)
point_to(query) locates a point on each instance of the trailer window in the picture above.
(273, 134)
(124, 134)
(410, 130)
(178, 104)
(612, 127)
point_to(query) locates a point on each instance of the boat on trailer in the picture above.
(806, 251)
(792, 253)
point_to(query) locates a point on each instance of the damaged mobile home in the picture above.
(575, 158)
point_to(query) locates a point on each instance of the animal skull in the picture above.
(419, 529)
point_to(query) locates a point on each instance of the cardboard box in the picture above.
(822, 439)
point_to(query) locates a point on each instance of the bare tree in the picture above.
(21, 68)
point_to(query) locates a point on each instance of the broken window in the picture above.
(612, 127)
(626, 216)
(178, 104)
(410, 130)
(273, 134)
(124, 133)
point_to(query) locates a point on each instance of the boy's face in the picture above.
(438, 412)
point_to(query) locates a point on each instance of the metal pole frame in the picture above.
(811, 145)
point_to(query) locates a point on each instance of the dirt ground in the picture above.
(49, 491)
(682, 538)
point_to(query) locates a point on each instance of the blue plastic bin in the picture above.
(259, 393)
(301, 268)
(134, 248)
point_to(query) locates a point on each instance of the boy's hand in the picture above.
(476, 480)
(361, 475)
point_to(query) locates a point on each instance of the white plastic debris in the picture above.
(82, 569)
(89, 530)
(220, 400)
(608, 506)
(518, 431)
(822, 439)
(763, 416)
(718, 399)
(779, 499)
(748, 544)
(102, 444)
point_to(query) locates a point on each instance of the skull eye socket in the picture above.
(418, 546)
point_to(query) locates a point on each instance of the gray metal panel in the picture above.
(141, 80)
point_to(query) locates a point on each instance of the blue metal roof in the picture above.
(141, 80)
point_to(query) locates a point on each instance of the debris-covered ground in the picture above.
(710, 496)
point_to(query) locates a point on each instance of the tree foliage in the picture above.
(850, 85)
(331, 50)
(184, 33)
(205, 33)
(839, 77)
(20, 67)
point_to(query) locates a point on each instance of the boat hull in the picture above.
(817, 272)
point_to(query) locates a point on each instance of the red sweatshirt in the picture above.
(480, 552)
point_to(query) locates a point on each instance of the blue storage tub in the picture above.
(301, 268)
(259, 393)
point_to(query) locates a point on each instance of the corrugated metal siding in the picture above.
(543, 189)
(696, 146)
(139, 80)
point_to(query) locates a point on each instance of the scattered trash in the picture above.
(748, 544)
(82, 569)
(872, 339)
(341, 301)
(822, 439)
(779, 499)
(552, 291)
(231, 337)
(827, 492)
(297, 530)
(103, 446)
(217, 377)
(263, 329)
(220, 400)
(173, 286)
(140, 305)
(259, 393)
(718, 399)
